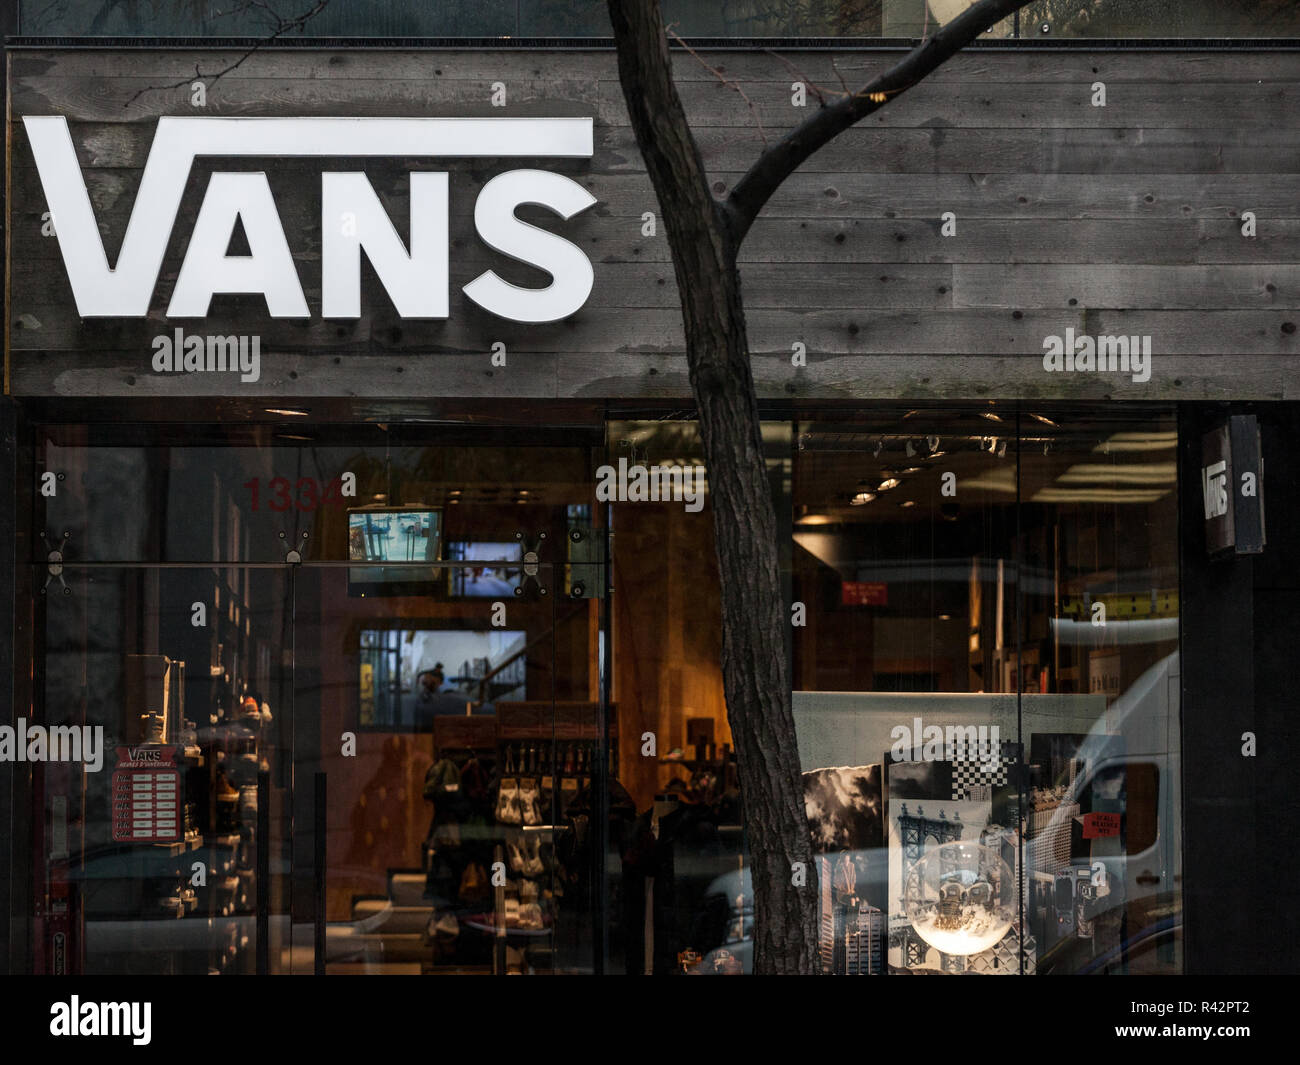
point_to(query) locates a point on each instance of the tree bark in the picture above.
(754, 673)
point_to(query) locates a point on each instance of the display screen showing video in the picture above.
(395, 536)
(491, 569)
(410, 676)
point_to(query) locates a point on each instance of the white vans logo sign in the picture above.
(352, 217)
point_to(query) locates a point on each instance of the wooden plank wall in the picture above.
(1117, 219)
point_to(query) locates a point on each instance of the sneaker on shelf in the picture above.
(533, 865)
(248, 804)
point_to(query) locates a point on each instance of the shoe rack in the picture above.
(543, 756)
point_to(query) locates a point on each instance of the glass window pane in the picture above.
(160, 836)
(1004, 580)
(1099, 609)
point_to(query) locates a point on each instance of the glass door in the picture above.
(157, 754)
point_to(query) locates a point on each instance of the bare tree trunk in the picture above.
(754, 670)
(705, 237)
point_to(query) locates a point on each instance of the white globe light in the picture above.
(960, 898)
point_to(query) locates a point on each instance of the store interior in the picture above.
(432, 706)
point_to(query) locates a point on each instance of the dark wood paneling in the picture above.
(1118, 219)
(984, 104)
(1220, 849)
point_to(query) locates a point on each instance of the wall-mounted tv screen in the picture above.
(492, 569)
(402, 537)
(410, 676)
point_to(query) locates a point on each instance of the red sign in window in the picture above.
(864, 593)
(1098, 825)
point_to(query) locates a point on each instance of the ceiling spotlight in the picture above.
(908, 503)
(990, 416)
(888, 483)
(911, 469)
(1045, 420)
(861, 499)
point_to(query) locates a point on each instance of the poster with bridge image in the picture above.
(409, 676)
(922, 814)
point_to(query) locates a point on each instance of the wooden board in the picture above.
(1124, 218)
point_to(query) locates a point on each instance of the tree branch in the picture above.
(722, 78)
(282, 26)
(779, 161)
(818, 91)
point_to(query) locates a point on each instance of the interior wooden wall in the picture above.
(667, 637)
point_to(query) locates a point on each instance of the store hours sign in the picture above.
(353, 220)
(147, 796)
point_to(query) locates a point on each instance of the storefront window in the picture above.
(473, 720)
(987, 689)
(351, 723)
(679, 879)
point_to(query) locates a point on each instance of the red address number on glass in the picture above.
(306, 494)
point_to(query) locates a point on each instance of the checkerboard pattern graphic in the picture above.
(970, 773)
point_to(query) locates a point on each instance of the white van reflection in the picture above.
(1135, 744)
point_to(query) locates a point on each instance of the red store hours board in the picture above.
(147, 795)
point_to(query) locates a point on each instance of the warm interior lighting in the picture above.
(1138, 442)
(1136, 473)
(1098, 495)
(810, 517)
